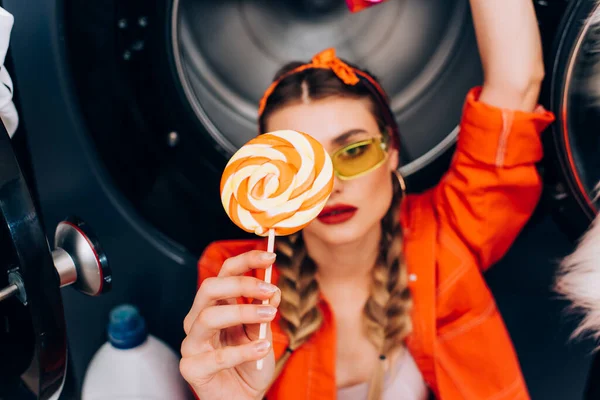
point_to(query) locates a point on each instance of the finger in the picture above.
(253, 330)
(201, 367)
(237, 265)
(213, 319)
(190, 347)
(221, 288)
(245, 262)
(275, 299)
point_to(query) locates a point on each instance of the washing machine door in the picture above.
(575, 141)
(33, 349)
(575, 99)
(33, 344)
(168, 89)
(424, 53)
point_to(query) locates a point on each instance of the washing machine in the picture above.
(131, 109)
(575, 97)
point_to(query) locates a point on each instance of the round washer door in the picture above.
(33, 342)
(575, 99)
(424, 54)
(169, 89)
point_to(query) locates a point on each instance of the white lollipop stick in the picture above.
(263, 327)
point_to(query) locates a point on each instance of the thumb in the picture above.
(253, 331)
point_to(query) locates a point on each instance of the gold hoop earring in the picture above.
(401, 182)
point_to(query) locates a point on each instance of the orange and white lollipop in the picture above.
(276, 184)
(277, 181)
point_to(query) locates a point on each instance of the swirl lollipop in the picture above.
(275, 185)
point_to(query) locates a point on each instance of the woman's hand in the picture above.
(510, 46)
(220, 351)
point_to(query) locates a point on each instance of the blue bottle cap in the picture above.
(126, 327)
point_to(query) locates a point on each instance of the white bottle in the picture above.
(133, 365)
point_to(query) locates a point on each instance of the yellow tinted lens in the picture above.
(358, 158)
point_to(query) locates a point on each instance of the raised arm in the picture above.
(511, 53)
(493, 186)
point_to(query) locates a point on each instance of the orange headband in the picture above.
(327, 59)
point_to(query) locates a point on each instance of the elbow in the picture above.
(515, 91)
(536, 73)
(516, 85)
(531, 92)
(532, 84)
(539, 73)
(530, 79)
(515, 76)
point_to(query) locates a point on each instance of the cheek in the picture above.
(374, 191)
(372, 194)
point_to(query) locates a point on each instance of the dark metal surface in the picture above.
(423, 52)
(8, 291)
(33, 346)
(93, 275)
(575, 99)
(33, 342)
(155, 273)
(168, 89)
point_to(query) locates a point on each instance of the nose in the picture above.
(338, 185)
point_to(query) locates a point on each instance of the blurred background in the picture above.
(131, 108)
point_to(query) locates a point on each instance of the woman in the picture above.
(382, 295)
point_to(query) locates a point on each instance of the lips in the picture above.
(337, 214)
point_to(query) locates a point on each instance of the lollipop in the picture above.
(275, 185)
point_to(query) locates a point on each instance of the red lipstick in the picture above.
(337, 214)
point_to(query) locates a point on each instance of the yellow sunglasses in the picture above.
(359, 158)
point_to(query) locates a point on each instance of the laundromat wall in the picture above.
(131, 108)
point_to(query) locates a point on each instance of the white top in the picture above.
(404, 381)
(8, 112)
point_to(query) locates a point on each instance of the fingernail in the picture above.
(262, 346)
(267, 256)
(266, 311)
(267, 287)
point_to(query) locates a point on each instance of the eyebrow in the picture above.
(343, 138)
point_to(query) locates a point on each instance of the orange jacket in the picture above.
(453, 233)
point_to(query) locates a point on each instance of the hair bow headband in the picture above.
(324, 60)
(327, 59)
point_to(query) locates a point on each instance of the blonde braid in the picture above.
(386, 313)
(299, 311)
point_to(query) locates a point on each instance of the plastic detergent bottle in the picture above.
(133, 365)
